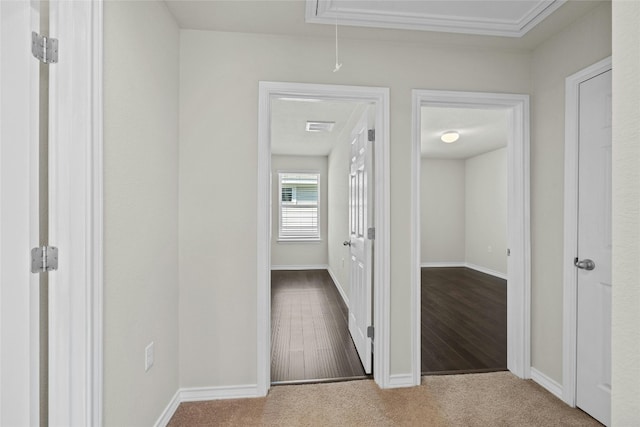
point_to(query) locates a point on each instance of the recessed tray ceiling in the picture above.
(484, 17)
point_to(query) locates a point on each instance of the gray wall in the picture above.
(486, 210)
(298, 253)
(442, 211)
(585, 42)
(626, 215)
(218, 281)
(338, 176)
(463, 211)
(140, 210)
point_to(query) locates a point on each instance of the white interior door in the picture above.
(593, 392)
(19, 289)
(360, 219)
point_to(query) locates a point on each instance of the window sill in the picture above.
(299, 240)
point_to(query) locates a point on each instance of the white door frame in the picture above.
(519, 262)
(19, 229)
(570, 288)
(75, 214)
(381, 270)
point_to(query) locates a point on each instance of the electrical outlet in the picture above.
(148, 357)
(489, 249)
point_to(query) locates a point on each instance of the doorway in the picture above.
(587, 242)
(377, 97)
(311, 284)
(463, 189)
(517, 251)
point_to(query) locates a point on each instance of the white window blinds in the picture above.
(299, 206)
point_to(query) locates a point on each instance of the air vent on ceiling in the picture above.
(318, 126)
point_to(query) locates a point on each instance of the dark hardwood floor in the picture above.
(310, 337)
(464, 321)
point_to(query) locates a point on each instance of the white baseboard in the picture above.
(400, 380)
(217, 393)
(443, 264)
(486, 271)
(300, 267)
(168, 412)
(204, 393)
(338, 286)
(465, 264)
(550, 385)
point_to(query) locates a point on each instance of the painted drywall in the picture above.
(486, 210)
(626, 215)
(338, 226)
(298, 253)
(442, 211)
(218, 139)
(585, 42)
(140, 210)
(338, 215)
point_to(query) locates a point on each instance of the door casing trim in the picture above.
(76, 215)
(570, 283)
(519, 235)
(381, 270)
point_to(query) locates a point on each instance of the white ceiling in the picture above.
(486, 17)
(287, 17)
(289, 118)
(481, 131)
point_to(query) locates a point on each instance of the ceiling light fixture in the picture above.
(450, 136)
(319, 126)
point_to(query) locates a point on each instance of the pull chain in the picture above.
(338, 64)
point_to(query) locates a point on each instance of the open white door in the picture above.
(593, 391)
(19, 289)
(361, 260)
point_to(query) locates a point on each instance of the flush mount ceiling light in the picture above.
(450, 136)
(318, 126)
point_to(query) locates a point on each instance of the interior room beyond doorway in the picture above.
(463, 239)
(311, 143)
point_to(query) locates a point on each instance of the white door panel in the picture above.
(593, 392)
(19, 292)
(360, 218)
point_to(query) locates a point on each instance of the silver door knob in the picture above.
(346, 243)
(585, 264)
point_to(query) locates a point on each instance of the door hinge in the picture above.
(45, 49)
(372, 135)
(43, 259)
(370, 332)
(508, 252)
(371, 233)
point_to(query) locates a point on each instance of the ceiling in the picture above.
(288, 17)
(487, 17)
(289, 118)
(481, 131)
(511, 24)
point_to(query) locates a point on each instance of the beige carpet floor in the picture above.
(493, 399)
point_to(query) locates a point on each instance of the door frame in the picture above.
(381, 270)
(570, 283)
(76, 214)
(519, 235)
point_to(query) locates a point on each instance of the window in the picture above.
(299, 198)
